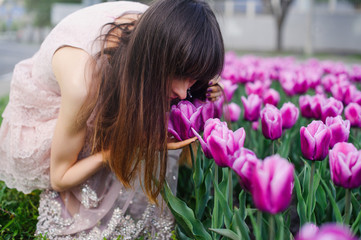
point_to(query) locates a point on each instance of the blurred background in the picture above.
(329, 28)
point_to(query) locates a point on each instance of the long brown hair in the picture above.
(172, 39)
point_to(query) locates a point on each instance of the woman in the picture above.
(92, 105)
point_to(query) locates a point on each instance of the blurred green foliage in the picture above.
(42, 10)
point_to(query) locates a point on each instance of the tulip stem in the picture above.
(192, 155)
(230, 188)
(259, 223)
(271, 227)
(347, 206)
(310, 203)
(273, 147)
(215, 203)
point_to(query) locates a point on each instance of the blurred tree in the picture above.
(355, 3)
(279, 9)
(42, 9)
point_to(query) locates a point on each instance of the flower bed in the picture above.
(282, 162)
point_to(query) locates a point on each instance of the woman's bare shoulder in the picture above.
(72, 71)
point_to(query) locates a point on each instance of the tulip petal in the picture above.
(204, 145)
(308, 143)
(322, 144)
(218, 149)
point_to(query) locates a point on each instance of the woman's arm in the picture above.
(69, 66)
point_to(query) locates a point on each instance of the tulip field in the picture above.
(277, 157)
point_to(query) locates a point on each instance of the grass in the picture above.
(18, 211)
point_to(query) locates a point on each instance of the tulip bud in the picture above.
(345, 165)
(353, 114)
(331, 108)
(252, 107)
(289, 114)
(244, 164)
(232, 112)
(256, 87)
(272, 184)
(229, 89)
(340, 129)
(307, 232)
(315, 140)
(271, 96)
(219, 142)
(271, 119)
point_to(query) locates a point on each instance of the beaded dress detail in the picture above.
(101, 207)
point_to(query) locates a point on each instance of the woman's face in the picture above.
(180, 87)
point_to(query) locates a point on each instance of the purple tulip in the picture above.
(182, 118)
(340, 129)
(244, 164)
(208, 110)
(271, 119)
(331, 108)
(271, 96)
(252, 107)
(345, 165)
(219, 142)
(315, 140)
(329, 231)
(229, 89)
(232, 112)
(353, 114)
(289, 114)
(311, 106)
(272, 184)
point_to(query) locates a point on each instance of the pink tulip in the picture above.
(355, 74)
(252, 107)
(255, 125)
(331, 108)
(271, 96)
(244, 164)
(272, 184)
(329, 231)
(340, 129)
(256, 87)
(307, 232)
(271, 119)
(182, 118)
(229, 89)
(328, 81)
(315, 140)
(353, 114)
(219, 142)
(232, 112)
(345, 165)
(230, 72)
(289, 114)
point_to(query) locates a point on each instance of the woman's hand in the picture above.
(174, 144)
(215, 90)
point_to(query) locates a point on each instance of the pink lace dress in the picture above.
(101, 207)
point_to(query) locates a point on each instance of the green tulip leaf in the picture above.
(185, 216)
(336, 210)
(226, 233)
(301, 205)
